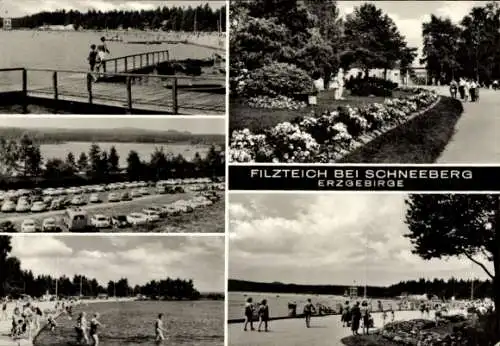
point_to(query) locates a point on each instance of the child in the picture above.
(248, 314)
(308, 311)
(384, 317)
(263, 315)
(92, 58)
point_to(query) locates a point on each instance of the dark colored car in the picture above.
(126, 196)
(119, 221)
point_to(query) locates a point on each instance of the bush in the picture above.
(371, 86)
(276, 79)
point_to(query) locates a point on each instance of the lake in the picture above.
(278, 302)
(144, 150)
(197, 323)
(69, 50)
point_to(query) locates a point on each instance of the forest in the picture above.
(202, 18)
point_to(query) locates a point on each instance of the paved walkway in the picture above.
(476, 138)
(292, 332)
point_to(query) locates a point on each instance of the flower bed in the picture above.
(328, 136)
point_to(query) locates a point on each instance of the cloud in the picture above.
(140, 259)
(329, 239)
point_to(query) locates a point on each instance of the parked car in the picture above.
(8, 206)
(23, 205)
(76, 220)
(49, 225)
(135, 193)
(100, 221)
(151, 215)
(47, 199)
(126, 196)
(171, 210)
(113, 197)
(28, 226)
(94, 198)
(119, 221)
(159, 210)
(38, 207)
(137, 219)
(78, 200)
(144, 191)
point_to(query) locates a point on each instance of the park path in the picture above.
(476, 138)
(324, 331)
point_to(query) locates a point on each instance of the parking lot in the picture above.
(180, 207)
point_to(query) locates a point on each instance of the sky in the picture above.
(409, 15)
(18, 8)
(137, 258)
(333, 239)
(193, 125)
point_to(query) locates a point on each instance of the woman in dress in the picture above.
(248, 314)
(356, 319)
(365, 315)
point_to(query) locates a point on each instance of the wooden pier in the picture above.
(123, 86)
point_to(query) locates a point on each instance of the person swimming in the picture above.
(94, 324)
(159, 330)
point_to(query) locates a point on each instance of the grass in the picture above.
(257, 120)
(420, 140)
(368, 340)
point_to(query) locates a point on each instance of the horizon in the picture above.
(23, 8)
(195, 126)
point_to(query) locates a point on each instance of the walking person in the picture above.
(309, 309)
(81, 329)
(4, 311)
(472, 90)
(365, 314)
(453, 88)
(94, 324)
(346, 315)
(159, 330)
(356, 318)
(263, 315)
(461, 88)
(249, 314)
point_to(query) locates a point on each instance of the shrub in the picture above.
(371, 86)
(276, 79)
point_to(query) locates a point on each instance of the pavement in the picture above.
(324, 331)
(476, 137)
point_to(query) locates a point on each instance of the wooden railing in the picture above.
(138, 61)
(129, 77)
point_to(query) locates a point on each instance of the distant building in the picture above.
(7, 23)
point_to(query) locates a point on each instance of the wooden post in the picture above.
(126, 63)
(25, 91)
(89, 86)
(54, 83)
(116, 65)
(104, 66)
(175, 106)
(147, 59)
(140, 61)
(129, 94)
(168, 55)
(133, 62)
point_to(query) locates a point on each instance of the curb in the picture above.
(367, 138)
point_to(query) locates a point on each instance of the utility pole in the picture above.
(81, 285)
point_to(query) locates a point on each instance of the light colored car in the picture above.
(8, 206)
(28, 226)
(23, 192)
(47, 199)
(151, 215)
(113, 197)
(23, 205)
(135, 193)
(77, 200)
(49, 225)
(11, 194)
(100, 221)
(144, 191)
(2, 195)
(38, 207)
(94, 198)
(60, 191)
(136, 219)
(100, 188)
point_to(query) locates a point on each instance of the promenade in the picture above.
(324, 331)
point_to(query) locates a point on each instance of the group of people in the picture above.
(359, 316)
(262, 312)
(97, 57)
(466, 89)
(26, 319)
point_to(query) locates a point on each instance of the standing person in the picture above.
(102, 54)
(356, 318)
(81, 328)
(472, 90)
(461, 88)
(51, 323)
(263, 315)
(346, 314)
(94, 324)
(4, 311)
(453, 88)
(365, 314)
(159, 330)
(248, 314)
(308, 311)
(392, 314)
(467, 90)
(38, 317)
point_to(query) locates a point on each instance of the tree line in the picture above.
(443, 289)
(311, 35)
(23, 157)
(470, 48)
(200, 18)
(15, 281)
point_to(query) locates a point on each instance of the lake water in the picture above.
(278, 302)
(144, 150)
(69, 50)
(132, 323)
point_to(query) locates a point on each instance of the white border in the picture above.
(226, 199)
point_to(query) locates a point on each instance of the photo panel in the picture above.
(361, 268)
(113, 57)
(363, 82)
(112, 290)
(112, 174)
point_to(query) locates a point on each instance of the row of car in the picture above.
(150, 214)
(75, 190)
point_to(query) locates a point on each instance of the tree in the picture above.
(134, 166)
(83, 163)
(70, 161)
(57, 169)
(9, 156)
(214, 162)
(159, 163)
(114, 160)
(442, 226)
(94, 160)
(29, 155)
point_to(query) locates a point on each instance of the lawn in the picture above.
(420, 140)
(257, 120)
